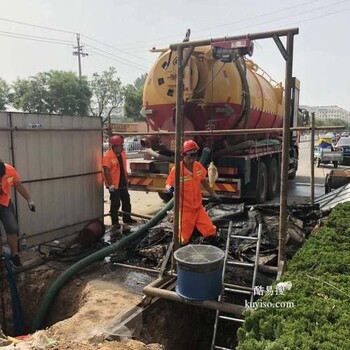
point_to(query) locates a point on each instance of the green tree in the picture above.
(58, 92)
(133, 98)
(4, 94)
(107, 93)
(332, 122)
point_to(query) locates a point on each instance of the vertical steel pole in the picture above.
(285, 155)
(178, 142)
(312, 166)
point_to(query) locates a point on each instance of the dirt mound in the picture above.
(84, 314)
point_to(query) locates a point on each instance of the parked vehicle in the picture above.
(219, 95)
(343, 144)
(325, 153)
(132, 144)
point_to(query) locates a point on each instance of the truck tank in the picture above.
(218, 96)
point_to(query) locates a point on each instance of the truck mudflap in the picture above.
(151, 182)
(156, 183)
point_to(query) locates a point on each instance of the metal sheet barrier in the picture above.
(59, 160)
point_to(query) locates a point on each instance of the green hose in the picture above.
(97, 256)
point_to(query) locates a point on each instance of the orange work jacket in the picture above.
(9, 179)
(190, 184)
(111, 162)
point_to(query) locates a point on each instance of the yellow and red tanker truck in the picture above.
(220, 93)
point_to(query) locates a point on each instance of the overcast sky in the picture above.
(119, 33)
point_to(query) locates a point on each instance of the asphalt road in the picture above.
(304, 171)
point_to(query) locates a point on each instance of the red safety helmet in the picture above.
(116, 140)
(189, 145)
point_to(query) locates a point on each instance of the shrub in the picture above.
(320, 274)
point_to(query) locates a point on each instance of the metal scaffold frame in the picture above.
(287, 54)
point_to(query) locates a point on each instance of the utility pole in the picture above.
(79, 52)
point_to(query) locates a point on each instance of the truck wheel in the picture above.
(166, 197)
(327, 187)
(272, 178)
(262, 181)
(318, 162)
(335, 164)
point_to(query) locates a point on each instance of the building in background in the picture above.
(328, 112)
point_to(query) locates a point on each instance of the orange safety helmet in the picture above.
(189, 145)
(116, 140)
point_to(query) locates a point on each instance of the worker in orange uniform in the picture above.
(116, 180)
(9, 177)
(192, 212)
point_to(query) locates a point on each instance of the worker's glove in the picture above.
(111, 188)
(171, 189)
(31, 205)
(215, 198)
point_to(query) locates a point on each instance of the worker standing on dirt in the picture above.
(116, 180)
(192, 212)
(9, 177)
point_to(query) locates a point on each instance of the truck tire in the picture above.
(318, 162)
(262, 181)
(335, 164)
(272, 178)
(166, 197)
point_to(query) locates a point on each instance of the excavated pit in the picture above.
(91, 306)
(179, 326)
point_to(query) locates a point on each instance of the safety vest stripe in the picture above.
(185, 178)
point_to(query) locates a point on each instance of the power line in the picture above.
(258, 16)
(242, 20)
(320, 16)
(249, 19)
(297, 14)
(35, 36)
(36, 26)
(114, 48)
(115, 60)
(68, 32)
(119, 59)
(78, 48)
(33, 39)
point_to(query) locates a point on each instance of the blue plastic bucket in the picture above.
(199, 272)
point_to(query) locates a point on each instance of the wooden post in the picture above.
(178, 144)
(285, 155)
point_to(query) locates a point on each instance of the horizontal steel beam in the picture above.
(253, 36)
(230, 131)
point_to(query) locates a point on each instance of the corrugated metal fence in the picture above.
(59, 160)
